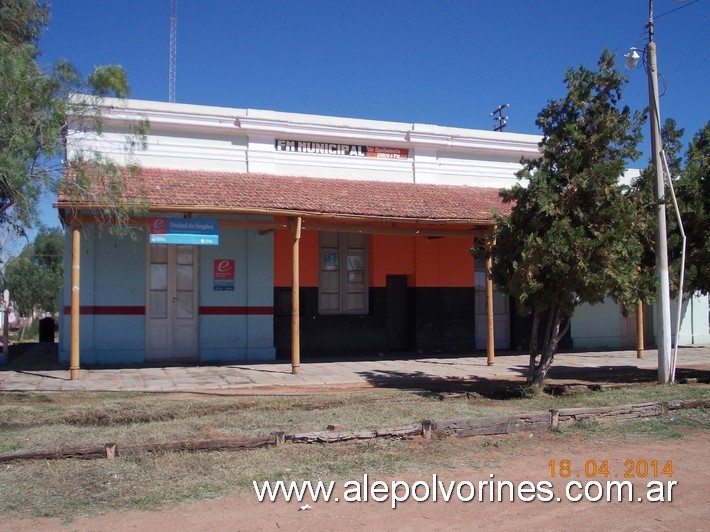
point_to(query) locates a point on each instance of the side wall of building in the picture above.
(112, 298)
(238, 324)
(695, 315)
(232, 325)
(603, 326)
(421, 298)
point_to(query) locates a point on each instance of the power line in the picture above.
(676, 9)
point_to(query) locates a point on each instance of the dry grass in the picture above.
(45, 421)
(69, 488)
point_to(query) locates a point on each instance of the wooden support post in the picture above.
(639, 330)
(427, 429)
(111, 450)
(490, 330)
(295, 301)
(5, 358)
(75, 302)
(279, 439)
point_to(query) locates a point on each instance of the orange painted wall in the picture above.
(444, 262)
(283, 254)
(441, 262)
(391, 255)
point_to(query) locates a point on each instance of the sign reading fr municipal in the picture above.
(195, 231)
(329, 148)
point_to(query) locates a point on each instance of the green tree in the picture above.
(36, 105)
(693, 191)
(34, 278)
(643, 197)
(691, 181)
(572, 236)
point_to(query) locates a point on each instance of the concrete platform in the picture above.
(34, 371)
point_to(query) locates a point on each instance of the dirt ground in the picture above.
(526, 459)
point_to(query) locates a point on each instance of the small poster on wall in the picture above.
(223, 274)
(330, 261)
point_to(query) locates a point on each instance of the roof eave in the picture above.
(256, 211)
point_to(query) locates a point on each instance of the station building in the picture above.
(271, 234)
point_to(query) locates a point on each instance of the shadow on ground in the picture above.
(559, 379)
(33, 356)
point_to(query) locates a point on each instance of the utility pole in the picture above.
(663, 318)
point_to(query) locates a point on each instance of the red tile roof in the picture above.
(244, 192)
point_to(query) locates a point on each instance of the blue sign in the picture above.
(195, 231)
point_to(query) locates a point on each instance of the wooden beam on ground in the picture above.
(75, 302)
(295, 300)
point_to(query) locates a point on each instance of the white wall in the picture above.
(597, 326)
(600, 326)
(694, 321)
(243, 140)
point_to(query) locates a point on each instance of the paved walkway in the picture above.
(459, 373)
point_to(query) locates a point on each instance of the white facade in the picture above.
(243, 140)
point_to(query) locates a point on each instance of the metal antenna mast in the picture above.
(498, 117)
(173, 41)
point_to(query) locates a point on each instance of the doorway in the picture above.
(171, 309)
(397, 313)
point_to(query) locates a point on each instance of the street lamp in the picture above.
(663, 318)
(631, 60)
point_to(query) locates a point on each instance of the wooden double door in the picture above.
(171, 309)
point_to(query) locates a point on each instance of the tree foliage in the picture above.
(36, 105)
(693, 191)
(642, 194)
(691, 180)
(34, 278)
(572, 236)
(22, 21)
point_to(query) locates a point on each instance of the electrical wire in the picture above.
(676, 9)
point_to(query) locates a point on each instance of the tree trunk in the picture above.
(555, 332)
(533, 346)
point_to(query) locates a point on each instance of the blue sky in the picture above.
(446, 62)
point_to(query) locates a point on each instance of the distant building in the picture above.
(381, 216)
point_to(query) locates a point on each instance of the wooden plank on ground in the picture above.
(414, 429)
(609, 413)
(493, 425)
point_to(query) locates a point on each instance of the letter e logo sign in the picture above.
(224, 268)
(158, 226)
